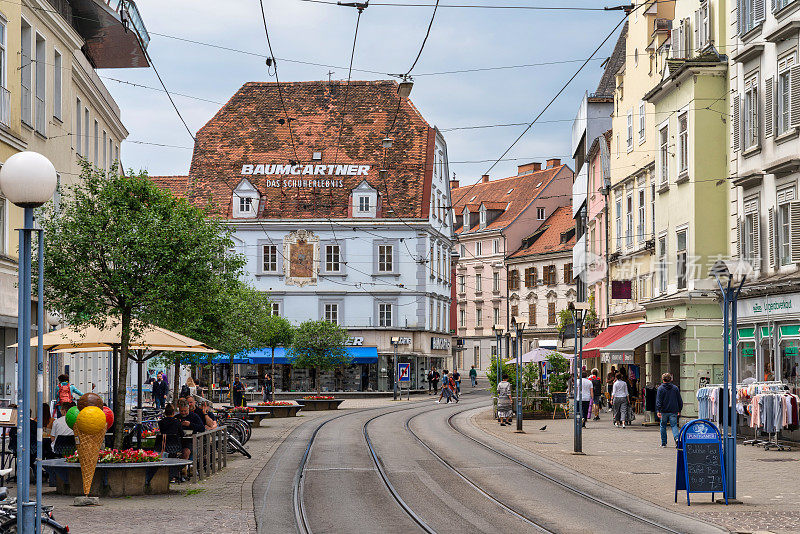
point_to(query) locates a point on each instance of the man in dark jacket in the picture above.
(668, 407)
(159, 391)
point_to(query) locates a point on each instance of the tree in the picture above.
(278, 332)
(319, 345)
(120, 247)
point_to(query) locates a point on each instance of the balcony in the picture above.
(115, 34)
(41, 115)
(5, 107)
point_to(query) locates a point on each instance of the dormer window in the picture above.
(482, 217)
(467, 224)
(365, 201)
(245, 200)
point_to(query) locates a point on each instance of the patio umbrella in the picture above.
(147, 342)
(539, 354)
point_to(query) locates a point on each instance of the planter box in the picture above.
(114, 480)
(283, 411)
(312, 405)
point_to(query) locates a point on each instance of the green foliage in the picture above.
(559, 372)
(530, 376)
(564, 320)
(319, 345)
(508, 369)
(120, 247)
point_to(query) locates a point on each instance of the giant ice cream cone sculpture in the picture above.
(90, 430)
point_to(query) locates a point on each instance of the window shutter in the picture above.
(756, 259)
(533, 272)
(759, 11)
(774, 6)
(768, 108)
(739, 17)
(794, 96)
(698, 20)
(772, 237)
(737, 133)
(675, 39)
(710, 29)
(794, 230)
(740, 236)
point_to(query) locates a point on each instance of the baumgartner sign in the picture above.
(306, 170)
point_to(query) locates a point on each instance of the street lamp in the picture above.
(498, 334)
(395, 341)
(28, 180)
(578, 310)
(728, 274)
(519, 327)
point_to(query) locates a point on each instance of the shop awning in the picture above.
(644, 334)
(358, 354)
(607, 336)
(225, 359)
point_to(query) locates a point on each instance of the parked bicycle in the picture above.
(8, 514)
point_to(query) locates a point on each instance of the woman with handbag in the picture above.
(504, 401)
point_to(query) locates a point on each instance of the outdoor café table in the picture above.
(113, 480)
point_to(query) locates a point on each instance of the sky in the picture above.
(389, 38)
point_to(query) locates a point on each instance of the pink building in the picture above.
(492, 218)
(597, 228)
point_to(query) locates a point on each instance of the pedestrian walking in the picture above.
(586, 396)
(160, 392)
(610, 378)
(597, 394)
(473, 376)
(668, 407)
(453, 384)
(457, 379)
(429, 378)
(238, 391)
(620, 401)
(435, 381)
(267, 388)
(445, 385)
(504, 402)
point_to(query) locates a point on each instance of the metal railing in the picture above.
(5, 107)
(209, 453)
(41, 115)
(26, 105)
(128, 7)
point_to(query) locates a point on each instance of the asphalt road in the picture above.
(443, 472)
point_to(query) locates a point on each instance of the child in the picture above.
(66, 391)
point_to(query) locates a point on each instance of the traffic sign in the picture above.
(404, 372)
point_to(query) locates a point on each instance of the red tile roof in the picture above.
(251, 129)
(494, 205)
(175, 184)
(549, 235)
(515, 194)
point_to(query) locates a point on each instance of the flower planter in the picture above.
(114, 480)
(284, 411)
(314, 405)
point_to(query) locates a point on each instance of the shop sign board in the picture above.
(700, 467)
(355, 342)
(440, 343)
(404, 341)
(620, 357)
(769, 305)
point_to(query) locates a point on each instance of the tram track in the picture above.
(544, 475)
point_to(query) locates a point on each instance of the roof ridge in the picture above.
(509, 177)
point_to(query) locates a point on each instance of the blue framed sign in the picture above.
(700, 467)
(403, 372)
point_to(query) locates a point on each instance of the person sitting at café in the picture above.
(190, 421)
(60, 426)
(169, 425)
(208, 417)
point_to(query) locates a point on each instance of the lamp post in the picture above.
(498, 334)
(728, 274)
(395, 341)
(578, 309)
(28, 180)
(518, 327)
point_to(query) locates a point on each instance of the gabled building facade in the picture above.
(342, 214)
(493, 217)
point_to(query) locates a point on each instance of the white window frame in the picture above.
(681, 258)
(478, 317)
(663, 154)
(478, 283)
(78, 126)
(784, 92)
(629, 226)
(642, 123)
(385, 313)
(478, 248)
(495, 281)
(58, 65)
(629, 131)
(364, 204)
(269, 258)
(751, 228)
(751, 119)
(26, 71)
(275, 308)
(462, 283)
(683, 143)
(496, 246)
(462, 317)
(331, 312)
(86, 132)
(333, 258)
(618, 220)
(385, 258)
(541, 214)
(784, 225)
(663, 264)
(640, 232)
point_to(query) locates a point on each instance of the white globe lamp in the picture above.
(28, 179)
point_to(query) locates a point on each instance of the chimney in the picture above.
(554, 162)
(528, 168)
(485, 179)
(453, 184)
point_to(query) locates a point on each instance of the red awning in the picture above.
(606, 337)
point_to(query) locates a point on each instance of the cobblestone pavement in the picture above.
(632, 460)
(221, 503)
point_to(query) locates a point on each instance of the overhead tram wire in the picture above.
(552, 100)
(474, 6)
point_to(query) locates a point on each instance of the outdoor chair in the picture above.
(64, 446)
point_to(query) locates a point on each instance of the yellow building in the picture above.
(53, 102)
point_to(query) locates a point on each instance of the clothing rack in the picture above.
(769, 444)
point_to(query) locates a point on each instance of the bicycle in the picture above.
(8, 514)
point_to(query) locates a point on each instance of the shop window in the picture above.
(790, 359)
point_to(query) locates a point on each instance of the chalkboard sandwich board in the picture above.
(700, 467)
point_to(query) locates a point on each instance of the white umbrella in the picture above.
(539, 354)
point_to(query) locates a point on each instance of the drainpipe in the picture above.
(608, 267)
